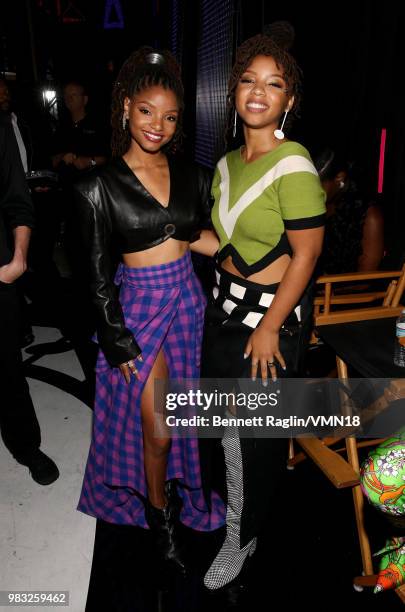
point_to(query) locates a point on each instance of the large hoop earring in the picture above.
(279, 134)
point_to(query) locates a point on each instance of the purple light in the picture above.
(110, 6)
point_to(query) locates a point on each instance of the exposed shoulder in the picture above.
(374, 214)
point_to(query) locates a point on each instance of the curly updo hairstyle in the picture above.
(144, 68)
(274, 46)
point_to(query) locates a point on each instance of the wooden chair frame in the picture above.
(341, 472)
(390, 307)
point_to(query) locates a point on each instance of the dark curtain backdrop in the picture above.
(352, 53)
(353, 57)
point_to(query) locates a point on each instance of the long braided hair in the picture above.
(342, 245)
(261, 44)
(144, 68)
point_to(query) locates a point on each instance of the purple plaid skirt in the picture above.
(164, 308)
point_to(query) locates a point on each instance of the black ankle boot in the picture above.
(163, 523)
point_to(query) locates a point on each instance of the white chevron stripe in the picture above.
(288, 165)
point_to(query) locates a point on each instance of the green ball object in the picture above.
(382, 475)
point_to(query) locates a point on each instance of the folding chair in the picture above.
(332, 308)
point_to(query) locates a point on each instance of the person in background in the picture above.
(80, 144)
(25, 150)
(19, 127)
(354, 227)
(18, 422)
(80, 141)
(40, 282)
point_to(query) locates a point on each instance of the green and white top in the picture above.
(256, 202)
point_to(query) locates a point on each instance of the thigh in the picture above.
(151, 402)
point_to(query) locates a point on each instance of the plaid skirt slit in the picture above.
(163, 306)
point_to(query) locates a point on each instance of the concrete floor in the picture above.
(46, 544)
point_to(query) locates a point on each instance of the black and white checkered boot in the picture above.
(230, 559)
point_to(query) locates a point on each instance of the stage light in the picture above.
(50, 100)
(49, 96)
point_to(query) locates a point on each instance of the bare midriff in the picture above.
(163, 253)
(272, 274)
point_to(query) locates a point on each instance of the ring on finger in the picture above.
(271, 363)
(132, 367)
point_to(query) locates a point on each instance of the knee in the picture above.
(158, 447)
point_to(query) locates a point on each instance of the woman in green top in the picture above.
(269, 216)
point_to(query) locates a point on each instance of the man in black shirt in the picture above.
(80, 143)
(33, 138)
(18, 423)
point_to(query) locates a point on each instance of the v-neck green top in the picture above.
(254, 203)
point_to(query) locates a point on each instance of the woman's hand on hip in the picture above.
(128, 367)
(263, 348)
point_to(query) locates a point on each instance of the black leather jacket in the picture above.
(117, 215)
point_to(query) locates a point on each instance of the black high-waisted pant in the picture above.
(233, 312)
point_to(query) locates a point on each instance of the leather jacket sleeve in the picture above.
(116, 341)
(204, 178)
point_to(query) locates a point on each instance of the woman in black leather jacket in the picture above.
(145, 207)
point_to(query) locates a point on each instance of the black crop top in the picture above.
(117, 215)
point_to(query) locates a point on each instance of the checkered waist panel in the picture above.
(242, 302)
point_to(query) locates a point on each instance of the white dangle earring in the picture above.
(124, 121)
(279, 134)
(235, 119)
